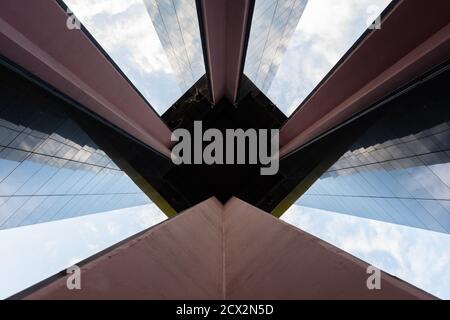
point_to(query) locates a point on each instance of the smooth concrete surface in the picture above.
(231, 252)
(178, 259)
(267, 258)
(225, 27)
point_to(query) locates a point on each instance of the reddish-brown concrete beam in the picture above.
(267, 258)
(231, 252)
(225, 26)
(414, 37)
(178, 259)
(34, 35)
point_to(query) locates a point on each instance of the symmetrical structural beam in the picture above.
(224, 28)
(414, 37)
(234, 251)
(34, 35)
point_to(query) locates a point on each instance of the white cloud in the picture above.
(87, 9)
(149, 215)
(73, 261)
(91, 227)
(113, 228)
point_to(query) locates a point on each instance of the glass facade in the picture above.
(289, 55)
(177, 26)
(50, 168)
(273, 24)
(398, 171)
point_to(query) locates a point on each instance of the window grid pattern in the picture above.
(50, 169)
(176, 24)
(273, 24)
(404, 179)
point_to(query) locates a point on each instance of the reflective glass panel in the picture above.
(403, 160)
(50, 167)
(295, 43)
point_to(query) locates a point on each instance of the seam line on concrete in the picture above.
(224, 289)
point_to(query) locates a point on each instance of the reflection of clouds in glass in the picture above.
(442, 171)
(417, 256)
(396, 196)
(272, 27)
(125, 31)
(35, 252)
(327, 29)
(393, 173)
(177, 26)
(71, 177)
(425, 183)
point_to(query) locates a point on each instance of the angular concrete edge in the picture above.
(177, 259)
(231, 252)
(267, 258)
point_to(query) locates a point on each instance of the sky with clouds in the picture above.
(326, 31)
